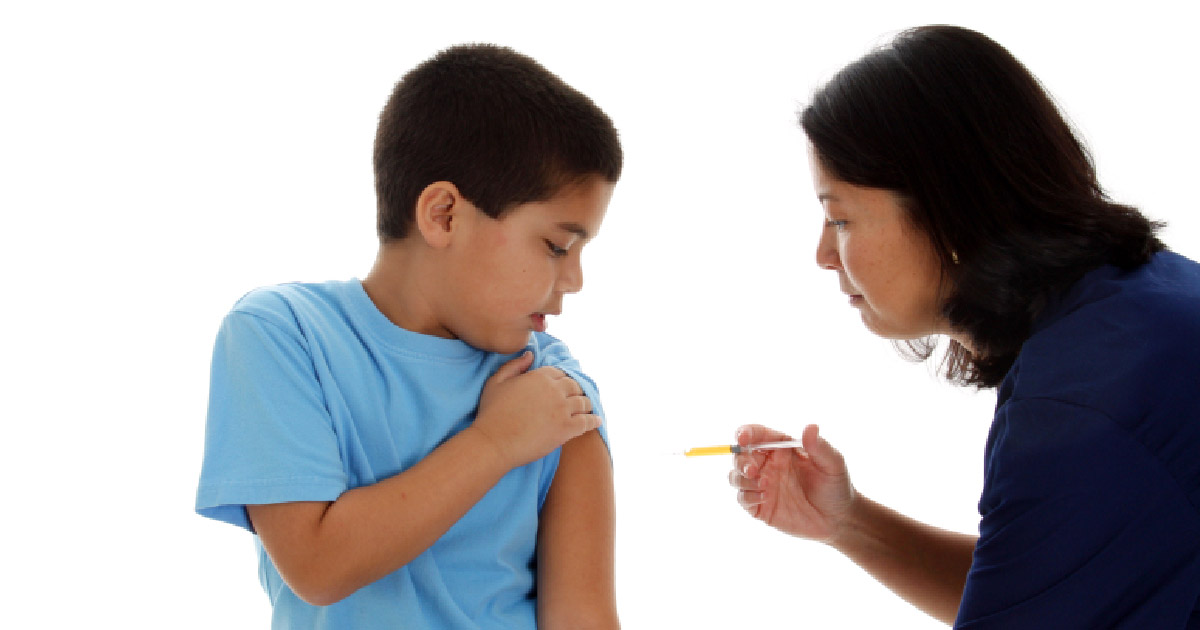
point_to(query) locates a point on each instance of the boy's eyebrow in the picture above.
(574, 228)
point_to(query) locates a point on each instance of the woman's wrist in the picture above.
(848, 533)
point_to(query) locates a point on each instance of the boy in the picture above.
(413, 450)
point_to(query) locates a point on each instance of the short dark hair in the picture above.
(495, 123)
(987, 167)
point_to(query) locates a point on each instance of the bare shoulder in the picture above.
(588, 450)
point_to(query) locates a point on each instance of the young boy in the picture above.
(412, 450)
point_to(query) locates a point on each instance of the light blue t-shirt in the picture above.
(315, 392)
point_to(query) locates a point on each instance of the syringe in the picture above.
(725, 449)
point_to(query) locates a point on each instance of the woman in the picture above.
(959, 203)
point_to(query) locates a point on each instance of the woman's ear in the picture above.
(438, 213)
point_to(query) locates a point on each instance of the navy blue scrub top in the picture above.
(1091, 499)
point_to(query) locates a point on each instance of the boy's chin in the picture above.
(504, 346)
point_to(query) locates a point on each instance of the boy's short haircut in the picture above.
(493, 122)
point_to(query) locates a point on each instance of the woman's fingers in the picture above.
(826, 458)
(750, 500)
(750, 487)
(746, 464)
(742, 482)
(757, 434)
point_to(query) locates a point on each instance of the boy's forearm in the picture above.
(371, 531)
(925, 565)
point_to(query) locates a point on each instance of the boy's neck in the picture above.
(395, 286)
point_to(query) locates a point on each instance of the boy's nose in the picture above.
(571, 278)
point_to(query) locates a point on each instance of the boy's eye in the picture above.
(555, 250)
(838, 225)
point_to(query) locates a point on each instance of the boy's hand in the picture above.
(528, 414)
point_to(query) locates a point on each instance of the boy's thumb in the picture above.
(514, 367)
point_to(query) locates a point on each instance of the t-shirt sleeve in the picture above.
(269, 437)
(1081, 527)
(556, 354)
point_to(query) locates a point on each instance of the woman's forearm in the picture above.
(925, 565)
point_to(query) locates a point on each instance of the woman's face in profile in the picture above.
(886, 266)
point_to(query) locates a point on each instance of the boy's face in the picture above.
(504, 276)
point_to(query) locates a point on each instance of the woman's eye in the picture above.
(555, 250)
(838, 225)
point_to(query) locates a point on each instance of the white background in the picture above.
(159, 159)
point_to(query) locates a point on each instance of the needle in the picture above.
(726, 449)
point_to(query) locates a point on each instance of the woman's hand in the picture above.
(803, 493)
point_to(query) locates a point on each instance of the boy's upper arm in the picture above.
(576, 540)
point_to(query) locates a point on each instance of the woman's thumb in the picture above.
(826, 458)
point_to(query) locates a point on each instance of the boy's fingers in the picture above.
(553, 372)
(582, 404)
(571, 387)
(586, 422)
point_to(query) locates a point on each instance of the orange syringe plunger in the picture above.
(723, 449)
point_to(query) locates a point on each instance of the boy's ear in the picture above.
(438, 212)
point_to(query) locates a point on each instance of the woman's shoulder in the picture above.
(1124, 355)
(1122, 342)
(1117, 318)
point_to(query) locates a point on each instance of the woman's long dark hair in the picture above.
(989, 170)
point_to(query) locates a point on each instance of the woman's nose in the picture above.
(827, 253)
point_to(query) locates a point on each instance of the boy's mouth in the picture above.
(539, 322)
